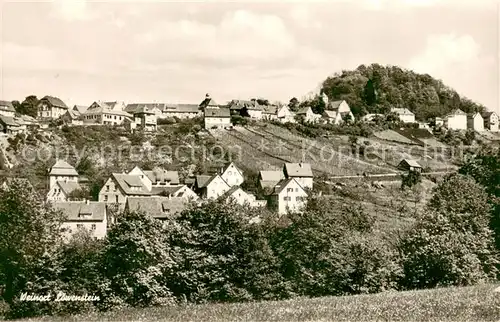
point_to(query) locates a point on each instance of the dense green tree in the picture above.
(451, 243)
(29, 106)
(369, 94)
(294, 104)
(28, 229)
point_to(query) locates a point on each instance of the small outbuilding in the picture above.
(409, 165)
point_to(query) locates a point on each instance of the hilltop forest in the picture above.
(377, 89)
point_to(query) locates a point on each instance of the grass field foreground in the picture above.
(477, 303)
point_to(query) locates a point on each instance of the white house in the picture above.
(182, 191)
(120, 186)
(404, 114)
(101, 113)
(7, 109)
(62, 171)
(456, 120)
(232, 175)
(145, 119)
(337, 111)
(308, 115)
(181, 111)
(490, 121)
(270, 113)
(475, 122)
(50, 107)
(302, 172)
(288, 195)
(80, 215)
(241, 197)
(72, 117)
(254, 110)
(211, 187)
(62, 190)
(217, 118)
(285, 115)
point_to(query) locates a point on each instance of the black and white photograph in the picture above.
(258, 160)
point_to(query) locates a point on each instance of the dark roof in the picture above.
(54, 101)
(217, 112)
(181, 108)
(270, 109)
(487, 114)
(131, 184)
(203, 180)
(208, 102)
(68, 186)
(411, 163)
(162, 175)
(6, 106)
(334, 105)
(8, 120)
(165, 190)
(74, 114)
(280, 186)
(82, 211)
(156, 206)
(303, 110)
(298, 170)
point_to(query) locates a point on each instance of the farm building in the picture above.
(409, 165)
(475, 122)
(490, 121)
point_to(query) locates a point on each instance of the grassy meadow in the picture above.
(477, 303)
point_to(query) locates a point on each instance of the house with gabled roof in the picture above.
(270, 113)
(268, 179)
(404, 114)
(145, 119)
(9, 125)
(456, 120)
(158, 207)
(475, 122)
(232, 175)
(210, 187)
(288, 196)
(491, 121)
(308, 115)
(101, 113)
(62, 171)
(120, 186)
(80, 108)
(218, 118)
(62, 190)
(285, 115)
(83, 215)
(181, 191)
(302, 172)
(409, 165)
(237, 195)
(158, 177)
(7, 109)
(72, 117)
(336, 112)
(181, 111)
(50, 107)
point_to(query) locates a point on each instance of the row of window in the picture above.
(80, 226)
(106, 199)
(291, 189)
(299, 198)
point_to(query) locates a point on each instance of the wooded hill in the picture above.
(377, 89)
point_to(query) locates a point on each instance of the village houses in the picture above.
(490, 121)
(6, 109)
(210, 187)
(9, 125)
(302, 172)
(288, 195)
(242, 198)
(232, 175)
(160, 208)
(456, 120)
(62, 190)
(72, 117)
(102, 113)
(50, 107)
(120, 186)
(475, 122)
(181, 111)
(308, 115)
(145, 119)
(269, 178)
(62, 171)
(86, 215)
(336, 112)
(404, 114)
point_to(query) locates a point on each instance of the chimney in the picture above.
(87, 201)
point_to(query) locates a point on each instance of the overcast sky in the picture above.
(145, 51)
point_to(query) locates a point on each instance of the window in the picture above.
(107, 188)
(105, 198)
(116, 197)
(296, 189)
(287, 198)
(298, 198)
(93, 227)
(289, 189)
(79, 226)
(115, 117)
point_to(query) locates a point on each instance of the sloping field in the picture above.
(393, 136)
(476, 303)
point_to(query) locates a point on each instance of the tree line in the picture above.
(219, 252)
